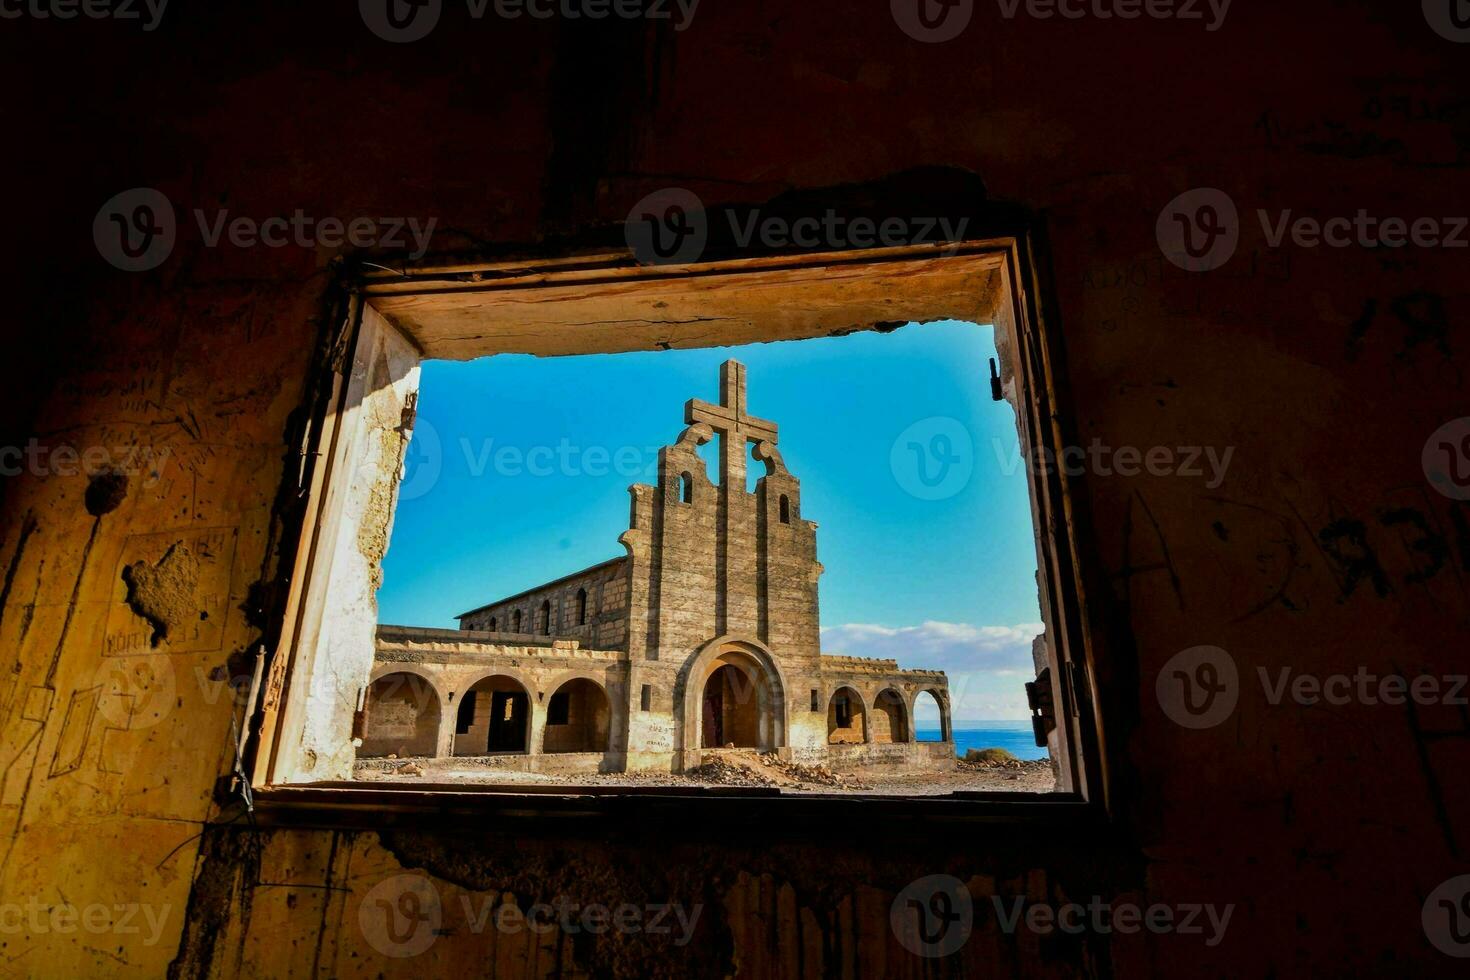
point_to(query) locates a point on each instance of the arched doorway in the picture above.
(846, 718)
(744, 706)
(578, 716)
(494, 717)
(890, 717)
(731, 708)
(400, 717)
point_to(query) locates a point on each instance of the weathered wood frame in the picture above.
(429, 304)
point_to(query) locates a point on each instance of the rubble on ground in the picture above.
(723, 773)
(817, 774)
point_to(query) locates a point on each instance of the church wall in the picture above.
(1324, 369)
(606, 627)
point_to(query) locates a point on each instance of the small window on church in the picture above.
(686, 488)
(816, 700)
(543, 618)
(785, 509)
(491, 627)
(581, 607)
(645, 698)
(515, 621)
(558, 709)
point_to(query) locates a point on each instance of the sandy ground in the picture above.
(754, 770)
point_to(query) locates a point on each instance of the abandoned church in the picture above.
(703, 637)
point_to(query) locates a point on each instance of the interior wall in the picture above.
(1323, 370)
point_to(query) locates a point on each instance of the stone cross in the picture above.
(728, 418)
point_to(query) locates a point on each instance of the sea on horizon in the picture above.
(1013, 736)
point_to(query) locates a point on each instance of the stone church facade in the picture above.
(703, 637)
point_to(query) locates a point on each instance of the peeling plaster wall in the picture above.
(1324, 370)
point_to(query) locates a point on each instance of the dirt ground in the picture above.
(731, 769)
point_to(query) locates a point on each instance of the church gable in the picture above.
(711, 558)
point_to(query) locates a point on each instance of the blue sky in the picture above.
(519, 469)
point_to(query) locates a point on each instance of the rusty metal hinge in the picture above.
(410, 413)
(1043, 706)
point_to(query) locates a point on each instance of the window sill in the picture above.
(348, 805)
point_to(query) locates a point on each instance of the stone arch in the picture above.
(401, 717)
(890, 718)
(498, 706)
(941, 698)
(847, 716)
(755, 660)
(578, 716)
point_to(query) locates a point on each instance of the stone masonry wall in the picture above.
(606, 625)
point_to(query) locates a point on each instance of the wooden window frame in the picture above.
(1005, 267)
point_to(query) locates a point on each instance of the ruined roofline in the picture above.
(397, 633)
(544, 585)
(871, 665)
